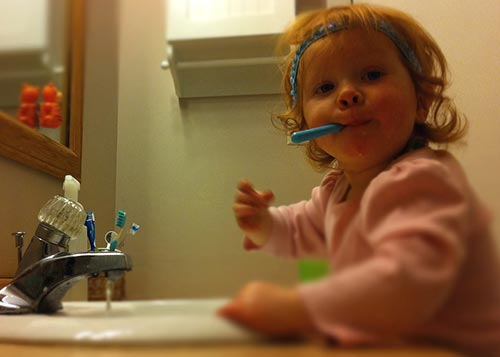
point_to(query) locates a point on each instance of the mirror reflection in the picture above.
(34, 55)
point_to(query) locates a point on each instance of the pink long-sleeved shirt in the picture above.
(412, 260)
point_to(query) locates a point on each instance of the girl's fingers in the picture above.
(252, 200)
(247, 194)
(244, 210)
(248, 244)
(249, 206)
(267, 196)
(245, 185)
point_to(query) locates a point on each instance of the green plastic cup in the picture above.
(312, 269)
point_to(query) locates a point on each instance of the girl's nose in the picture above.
(349, 97)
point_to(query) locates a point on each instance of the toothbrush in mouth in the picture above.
(310, 134)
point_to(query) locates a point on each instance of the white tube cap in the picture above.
(71, 186)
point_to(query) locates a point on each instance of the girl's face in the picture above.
(356, 78)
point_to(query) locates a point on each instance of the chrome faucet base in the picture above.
(41, 287)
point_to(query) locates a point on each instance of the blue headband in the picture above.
(382, 26)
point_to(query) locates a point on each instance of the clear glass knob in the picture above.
(63, 214)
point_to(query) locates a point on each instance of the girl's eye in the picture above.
(325, 88)
(372, 75)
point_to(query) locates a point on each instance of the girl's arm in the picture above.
(416, 219)
(298, 230)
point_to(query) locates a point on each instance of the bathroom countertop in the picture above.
(240, 350)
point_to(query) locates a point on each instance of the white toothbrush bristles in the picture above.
(132, 231)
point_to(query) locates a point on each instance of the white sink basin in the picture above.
(128, 322)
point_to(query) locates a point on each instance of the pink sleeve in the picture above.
(298, 229)
(414, 218)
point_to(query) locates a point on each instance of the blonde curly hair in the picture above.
(443, 124)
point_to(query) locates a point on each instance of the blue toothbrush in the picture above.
(309, 134)
(90, 224)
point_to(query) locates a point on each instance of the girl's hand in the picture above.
(269, 309)
(251, 212)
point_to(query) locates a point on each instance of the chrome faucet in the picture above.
(47, 270)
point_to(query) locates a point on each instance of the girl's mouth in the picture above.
(357, 122)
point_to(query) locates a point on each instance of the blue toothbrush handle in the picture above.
(309, 134)
(90, 224)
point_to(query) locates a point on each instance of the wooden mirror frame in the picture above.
(25, 145)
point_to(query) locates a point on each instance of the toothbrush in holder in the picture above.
(90, 224)
(120, 220)
(132, 231)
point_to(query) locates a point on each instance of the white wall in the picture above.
(178, 165)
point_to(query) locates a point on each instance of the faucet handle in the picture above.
(63, 214)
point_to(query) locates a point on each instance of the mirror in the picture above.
(56, 154)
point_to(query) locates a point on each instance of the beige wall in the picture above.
(23, 192)
(178, 164)
(100, 114)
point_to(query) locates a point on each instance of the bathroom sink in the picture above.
(127, 322)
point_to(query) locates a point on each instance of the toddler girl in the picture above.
(409, 244)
